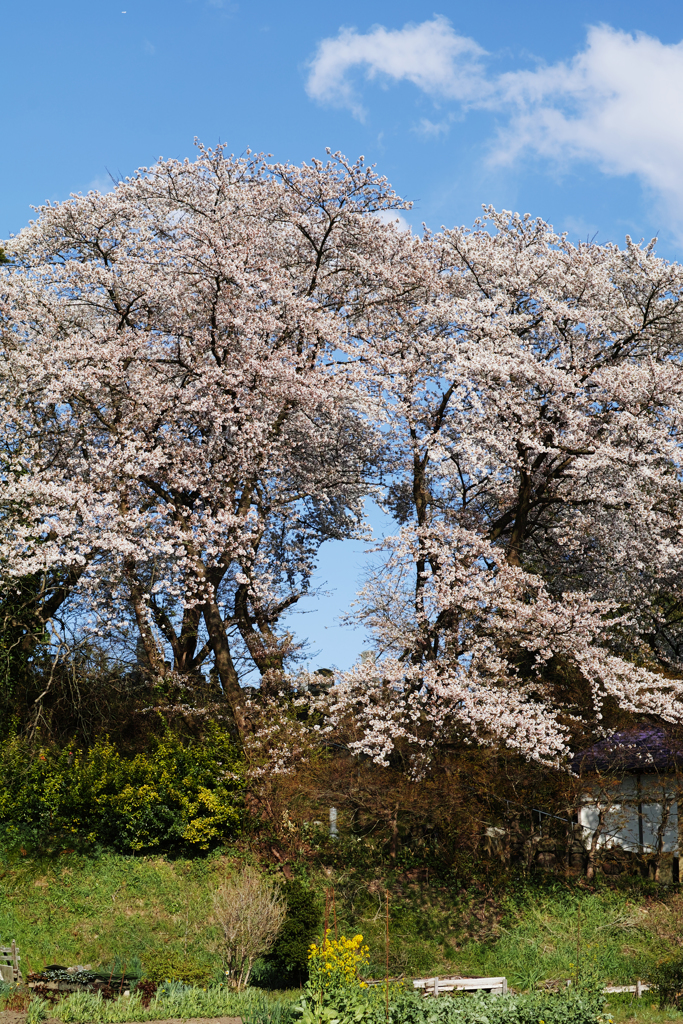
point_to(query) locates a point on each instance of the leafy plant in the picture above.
(174, 1001)
(16, 999)
(667, 974)
(38, 1011)
(167, 965)
(335, 992)
(367, 1006)
(146, 989)
(177, 796)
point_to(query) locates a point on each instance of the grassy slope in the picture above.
(527, 933)
(78, 910)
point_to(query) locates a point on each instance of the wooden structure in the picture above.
(636, 989)
(10, 971)
(439, 986)
(496, 986)
(59, 986)
(634, 783)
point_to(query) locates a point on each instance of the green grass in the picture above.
(540, 939)
(73, 909)
(78, 910)
(625, 1008)
(526, 932)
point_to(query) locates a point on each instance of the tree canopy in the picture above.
(205, 373)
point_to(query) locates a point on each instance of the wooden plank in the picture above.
(59, 986)
(434, 986)
(638, 988)
(460, 982)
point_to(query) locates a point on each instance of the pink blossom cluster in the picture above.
(205, 372)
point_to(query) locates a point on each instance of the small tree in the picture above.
(250, 911)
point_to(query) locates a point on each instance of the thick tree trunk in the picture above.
(187, 641)
(153, 655)
(595, 843)
(266, 649)
(518, 534)
(225, 665)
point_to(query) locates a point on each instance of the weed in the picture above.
(38, 1011)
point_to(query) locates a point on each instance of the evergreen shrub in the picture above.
(287, 962)
(667, 975)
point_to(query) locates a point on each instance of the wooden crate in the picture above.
(10, 971)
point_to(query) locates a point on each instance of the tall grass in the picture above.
(624, 1008)
(527, 933)
(604, 932)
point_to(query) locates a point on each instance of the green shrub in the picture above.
(288, 959)
(176, 797)
(167, 965)
(667, 975)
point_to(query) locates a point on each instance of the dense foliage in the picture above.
(666, 974)
(168, 965)
(177, 796)
(287, 962)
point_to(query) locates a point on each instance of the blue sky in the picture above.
(573, 112)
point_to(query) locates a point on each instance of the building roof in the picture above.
(632, 752)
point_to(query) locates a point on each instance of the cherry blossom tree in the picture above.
(184, 429)
(531, 399)
(205, 371)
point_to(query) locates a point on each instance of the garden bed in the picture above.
(12, 1017)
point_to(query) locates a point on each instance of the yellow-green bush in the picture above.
(177, 796)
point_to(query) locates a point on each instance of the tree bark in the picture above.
(225, 665)
(154, 656)
(595, 840)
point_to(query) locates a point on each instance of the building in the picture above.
(634, 782)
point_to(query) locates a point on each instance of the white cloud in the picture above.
(431, 55)
(392, 217)
(102, 183)
(433, 129)
(618, 103)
